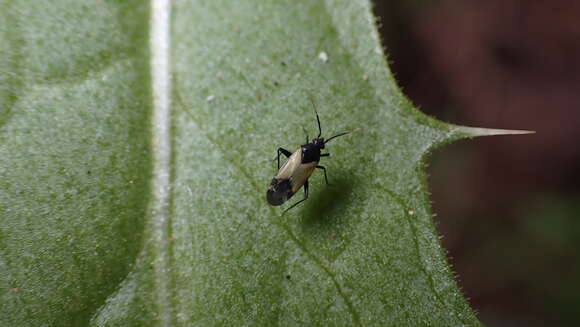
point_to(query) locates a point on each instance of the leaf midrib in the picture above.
(159, 220)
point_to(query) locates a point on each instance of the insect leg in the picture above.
(305, 197)
(325, 178)
(305, 132)
(325, 154)
(285, 152)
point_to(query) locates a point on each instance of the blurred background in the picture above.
(508, 207)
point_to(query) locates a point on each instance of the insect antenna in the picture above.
(337, 135)
(317, 118)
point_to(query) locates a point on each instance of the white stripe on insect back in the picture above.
(301, 175)
(290, 166)
(295, 171)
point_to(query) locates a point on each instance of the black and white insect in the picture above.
(295, 172)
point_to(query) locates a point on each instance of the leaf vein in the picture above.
(417, 248)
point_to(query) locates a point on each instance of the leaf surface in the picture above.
(134, 168)
(75, 165)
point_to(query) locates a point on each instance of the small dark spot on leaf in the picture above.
(288, 277)
(283, 63)
(88, 172)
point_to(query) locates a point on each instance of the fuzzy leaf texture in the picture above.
(136, 147)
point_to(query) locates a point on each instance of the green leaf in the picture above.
(74, 156)
(136, 147)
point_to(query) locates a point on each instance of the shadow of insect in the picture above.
(326, 205)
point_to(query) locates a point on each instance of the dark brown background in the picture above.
(508, 206)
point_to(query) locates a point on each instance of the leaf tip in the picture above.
(478, 131)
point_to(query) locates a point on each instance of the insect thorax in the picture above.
(310, 153)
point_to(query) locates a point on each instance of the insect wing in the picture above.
(295, 171)
(279, 192)
(290, 166)
(301, 174)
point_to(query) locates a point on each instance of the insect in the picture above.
(297, 169)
